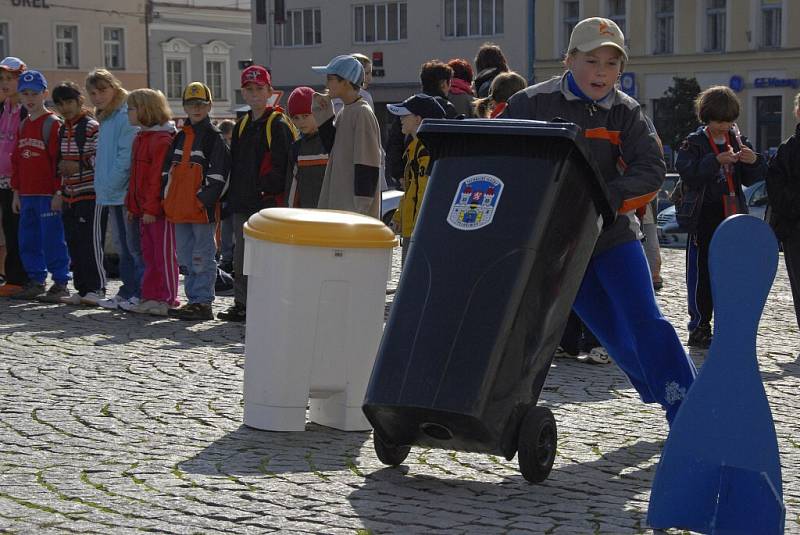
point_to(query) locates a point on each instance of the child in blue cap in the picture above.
(37, 189)
(351, 137)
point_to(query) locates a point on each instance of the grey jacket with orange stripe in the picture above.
(623, 144)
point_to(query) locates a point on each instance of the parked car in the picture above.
(662, 199)
(669, 235)
(390, 200)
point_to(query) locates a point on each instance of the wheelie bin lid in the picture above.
(320, 228)
(436, 131)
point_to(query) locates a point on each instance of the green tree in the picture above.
(674, 115)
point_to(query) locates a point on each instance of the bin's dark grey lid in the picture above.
(510, 127)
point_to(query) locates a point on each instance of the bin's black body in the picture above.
(479, 313)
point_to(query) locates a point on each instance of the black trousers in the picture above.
(791, 255)
(85, 229)
(698, 280)
(14, 271)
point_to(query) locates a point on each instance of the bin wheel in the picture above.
(387, 454)
(536, 449)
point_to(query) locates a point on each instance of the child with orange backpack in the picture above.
(194, 177)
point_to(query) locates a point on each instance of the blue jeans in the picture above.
(226, 239)
(196, 250)
(125, 235)
(617, 303)
(42, 246)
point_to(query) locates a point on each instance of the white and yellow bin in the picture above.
(316, 294)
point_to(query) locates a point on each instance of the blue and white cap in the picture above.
(344, 66)
(32, 80)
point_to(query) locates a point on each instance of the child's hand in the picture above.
(68, 167)
(728, 157)
(15, 203)
(56, 203)
(747, 156)
(147, 219)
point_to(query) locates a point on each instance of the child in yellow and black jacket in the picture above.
(416, 162)
(259, 162)
(194, 177)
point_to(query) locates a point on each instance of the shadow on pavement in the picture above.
(251, 452)
(576, 493)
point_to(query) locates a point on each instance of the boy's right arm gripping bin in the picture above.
(511, 215)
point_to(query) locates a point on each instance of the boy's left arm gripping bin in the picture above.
(216, 177)
(644, 165)
(274, 182)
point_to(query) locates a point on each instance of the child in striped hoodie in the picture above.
(84, 220)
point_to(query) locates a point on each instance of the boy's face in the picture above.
(256, 95)
(69, 109)
(197, 110)
(596, 72)
(367, 74)
(410, 123)
(337, 87)
(8, 84)
(305, 123)
(33, 100)
(719, 128)
(101, 95)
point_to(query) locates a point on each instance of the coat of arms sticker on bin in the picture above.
(475, 202)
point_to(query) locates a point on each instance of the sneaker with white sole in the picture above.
(74, 299)
(149, 306)
(598, 355)
(92, 299)
(111, 303)
(128, 304)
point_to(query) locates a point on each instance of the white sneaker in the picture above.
(92, 299)
(129, 304)
(155, 308)
(74, 299)
(598, 355)
(112, 303)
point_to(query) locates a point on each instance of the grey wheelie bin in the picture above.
(511, 215)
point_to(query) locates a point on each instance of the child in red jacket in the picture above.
(148, 109)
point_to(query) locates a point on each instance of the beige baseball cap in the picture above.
(592, 33)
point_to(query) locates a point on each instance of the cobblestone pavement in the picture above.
(113, 423)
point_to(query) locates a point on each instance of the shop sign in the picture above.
(794, 83)
(627, 83)
(30, 3)
(736, 83)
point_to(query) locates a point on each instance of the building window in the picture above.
(715, 26)
(468, 18)
(238, 98)
(114, 47)
(215, 79)
(570, 14)
(66, 46)
(301, 27)
(176, 77)
(768, 124)
(380, 22)
(664, 27)
(616, 12)
(3, 39)
(771, 23)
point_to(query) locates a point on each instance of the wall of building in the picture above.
(31, 36)
(196, 32)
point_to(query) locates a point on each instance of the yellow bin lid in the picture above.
(320, 228)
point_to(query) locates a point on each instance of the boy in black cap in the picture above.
(416, 161)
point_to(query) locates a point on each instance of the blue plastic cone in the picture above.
(720, 470)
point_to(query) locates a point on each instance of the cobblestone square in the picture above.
(113, 423)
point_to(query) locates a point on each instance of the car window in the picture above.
(758, 195)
